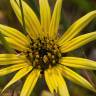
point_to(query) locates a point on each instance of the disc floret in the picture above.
(44, 53)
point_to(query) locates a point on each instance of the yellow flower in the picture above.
(42, 52)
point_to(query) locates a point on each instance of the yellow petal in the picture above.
(61, 84)
(6, 59)
(50, 80)
(14, 34)
(76, 27)
(78, 42)
(11, 69)
(54, 25)
(73, 76)
(55, 82)
(18, 76)
(80, 63)
(30, 83)
(14, 44)
(45, 15)
(12, 56)
(32, 23)
(46, 93)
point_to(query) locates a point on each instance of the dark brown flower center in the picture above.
(44, 53)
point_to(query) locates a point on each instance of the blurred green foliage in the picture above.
(86, 5)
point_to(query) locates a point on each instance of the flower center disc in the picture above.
(44, 54)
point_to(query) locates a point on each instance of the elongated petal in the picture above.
(30, 83)
(53, 29)
(14, 34)
(45, 15)
(14, 37)
(11, 69)
(80, 63)
(78, 42)
(14, 44)
(47, 78)
(62, 87)
(55, 82)
(32, 23)
(6, 59)
(18, 76)
(76, 27)
(50, 80)
(73, 76)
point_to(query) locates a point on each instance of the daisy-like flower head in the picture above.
(42, 52)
